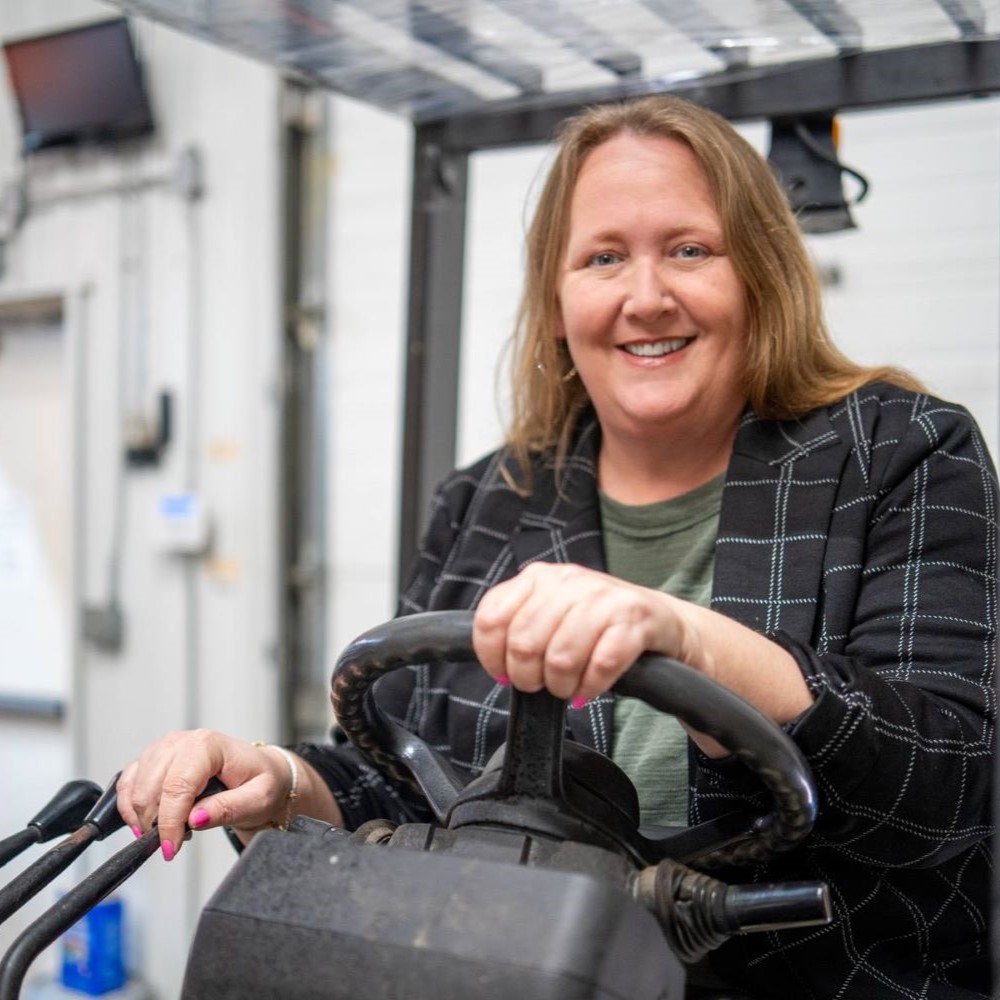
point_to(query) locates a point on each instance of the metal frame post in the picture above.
(304, 419)
(434, 333)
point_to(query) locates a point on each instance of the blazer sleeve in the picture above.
(900, 736)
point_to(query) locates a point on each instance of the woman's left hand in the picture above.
(571, 630)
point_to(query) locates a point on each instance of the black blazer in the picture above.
(863, 538)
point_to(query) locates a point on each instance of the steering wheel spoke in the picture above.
(533, 758)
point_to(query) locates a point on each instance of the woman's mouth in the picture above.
(656, 348)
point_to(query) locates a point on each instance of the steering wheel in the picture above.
(564, 785)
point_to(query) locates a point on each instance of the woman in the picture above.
(685, 435)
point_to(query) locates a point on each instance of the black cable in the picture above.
(807, 140)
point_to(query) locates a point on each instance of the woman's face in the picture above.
(651, 308)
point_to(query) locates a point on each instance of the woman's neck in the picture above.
(661, 468)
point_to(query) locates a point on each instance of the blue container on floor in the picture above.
(92, 952)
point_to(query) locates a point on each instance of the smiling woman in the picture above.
(694, 469)
(791, 365)
(654, 318)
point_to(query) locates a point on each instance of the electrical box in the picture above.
(182, 524)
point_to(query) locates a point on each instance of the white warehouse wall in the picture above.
(204, 275)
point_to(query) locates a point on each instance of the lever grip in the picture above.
(774, 907)
(62, 814)
(699, 913)
(104, 818)
(66, 810)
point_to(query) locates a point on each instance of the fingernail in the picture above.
(503, 680)
(168, 850)
(137, 830)
(578, 703)
(200, 817)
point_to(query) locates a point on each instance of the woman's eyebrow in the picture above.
(611, 234)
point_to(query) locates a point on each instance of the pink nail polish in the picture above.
(503, 680)
(200, 817)
(167, 849)
(578, 703)
(137, 830)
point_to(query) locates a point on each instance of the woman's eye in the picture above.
(690, 252)
(603, 259)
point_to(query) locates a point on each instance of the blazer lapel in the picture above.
(561, 522)
(773, 527)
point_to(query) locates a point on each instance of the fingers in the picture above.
(126, 807)
(569, 629)
(511, 626)
(165, 784)
(493, 618)
(260, 780)
(615, 650)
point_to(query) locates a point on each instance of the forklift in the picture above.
(535, 881)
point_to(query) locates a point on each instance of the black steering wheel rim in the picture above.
(667, 685)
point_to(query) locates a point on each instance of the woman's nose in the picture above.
(647, 295)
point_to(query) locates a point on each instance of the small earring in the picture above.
(570, 375)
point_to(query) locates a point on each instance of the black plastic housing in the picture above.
(321, 917)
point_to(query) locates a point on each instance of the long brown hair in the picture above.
(792, 365)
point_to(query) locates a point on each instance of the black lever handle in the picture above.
(35, 877)
(102, 820)
(17, 843)
(774, 907)
(69, 909)
(699, 913)
(67, 809)
(62, 814)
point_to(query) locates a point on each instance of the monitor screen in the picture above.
(80, 85)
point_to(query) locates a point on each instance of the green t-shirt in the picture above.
(668, 546)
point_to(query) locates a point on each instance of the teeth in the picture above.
(656, 349)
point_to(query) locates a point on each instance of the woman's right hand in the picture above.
(163, 785)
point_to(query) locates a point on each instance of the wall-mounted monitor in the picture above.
(82, 85)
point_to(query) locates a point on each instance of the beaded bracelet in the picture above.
(293, 792)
